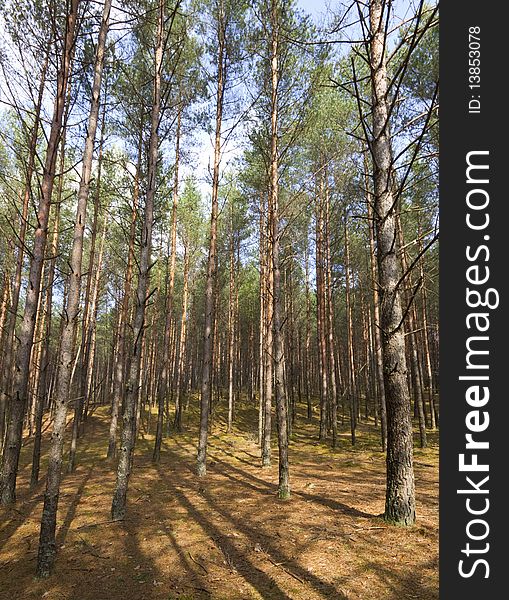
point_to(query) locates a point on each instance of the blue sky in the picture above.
(314, 7)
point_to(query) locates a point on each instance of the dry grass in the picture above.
(227, 536)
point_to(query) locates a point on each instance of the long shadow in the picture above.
(231, 455)
(25, 510)
(401, 585)
(324, 588)
(187, 565)
(130, 527)
(269, 489)
(26, 505)
(324, 501)
(71, 511)
(12, 524)
(266, 586)
(333, 504)
(329, 503)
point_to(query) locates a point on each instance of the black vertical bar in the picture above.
(462, 132)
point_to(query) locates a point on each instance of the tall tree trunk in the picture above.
(261, 332)
(4, 315)
(47, 547)
(306, 365)
(94, 307)
(376, 318)
(26, 335)
(281, 405)
(87, 323)
(45, 359)
(231, 325)
(320, 314)
(269, 348)
(182, 346)
(120, 358)
(426, 344)
(400, 494)
(352, 380)
(208, 339)
(412, 342)
(163, 391)
(7, 372)
(5, 357)
(118, 507)
(330, 319)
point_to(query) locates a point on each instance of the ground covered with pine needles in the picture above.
(227, 536)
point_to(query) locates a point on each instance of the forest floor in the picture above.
(227, 536)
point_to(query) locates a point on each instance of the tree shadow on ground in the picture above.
(259, 580)
(71, 511)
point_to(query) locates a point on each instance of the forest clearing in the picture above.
(228, 536)
(218, 299)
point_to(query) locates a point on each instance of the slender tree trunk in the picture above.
(208, 341)
(120, 359)
(281, 405)
(36, 359)
(163, 391)
(352, 381)
(7, 373)
(118, 507)
(26, 335)
(88, 309)
(182, 346)
(94, 306)
(330, 319)
(320, 315)
(261, 337)
(376, 312)
(231, 326)
(44, 366)
(269, 349)
(306, 366)
(412, 342)
(47, 547)
(400, 495)
(426, 344)
(87, 325)
(6, 295)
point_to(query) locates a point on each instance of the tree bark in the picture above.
(47, 546)
(376, 318)
(120, 359)
(163, 391)
(208, 340)
(330, 320)
(88, 323)
(306, 366)
(118, 507)
(182, 345)
(231, 325)
(400, 493)
(26, 335)
(261, 332)
(269, 348)
(45, 358)
(352, 380)
(281, 406)
(412, 342)
(425, 337)
(7, 372)
(320, 313)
